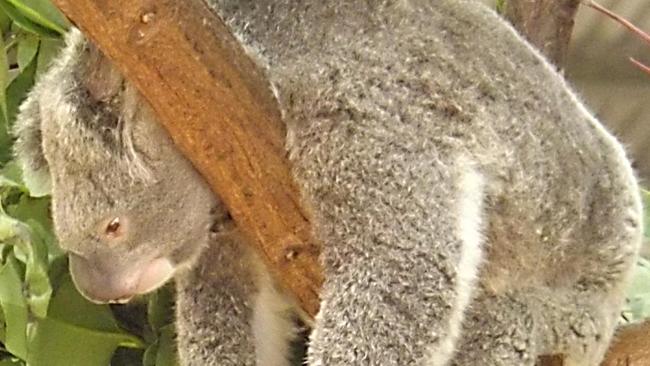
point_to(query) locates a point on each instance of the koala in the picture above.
(471, 210)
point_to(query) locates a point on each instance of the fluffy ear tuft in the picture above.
(28, 148)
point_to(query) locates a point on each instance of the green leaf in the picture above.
(160, 308)
(160, 315)
(43, 13)
(25, 22)
(5, 140)
(27, 49)
(638, 299)
(11, 229)
(36, 209)
(14, 307)
(500, 6)
(46, 52)
(13, 362)
(646, 201)
(29, 240)
(17, 90)
(11, 176)
(163, 351)
(69, 306)
(37, 281)
(57, 343)
(5, 22)
(166, 355)
(73, 321)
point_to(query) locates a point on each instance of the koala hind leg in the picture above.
(514, 329)
(577, 317)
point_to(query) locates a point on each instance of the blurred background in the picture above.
(615, 90)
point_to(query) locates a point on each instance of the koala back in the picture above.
(371, 92)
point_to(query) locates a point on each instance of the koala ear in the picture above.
(28, 148)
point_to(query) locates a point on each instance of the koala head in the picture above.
(127, 206)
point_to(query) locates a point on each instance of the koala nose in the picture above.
(111, 284)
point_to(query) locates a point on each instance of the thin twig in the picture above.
(627, 24)
(640, 65)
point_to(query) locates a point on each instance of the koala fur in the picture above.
(471, 210)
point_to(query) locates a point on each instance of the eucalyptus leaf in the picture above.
(5, 22)
(11, 174)
(48, 49)
(17, 90)
(11, 362)
(500, 6)
(29, 239)
(43, 13)
(160, 315)
(25, 22)
(14, 307)
(36, 210)
(69, 306)
(11, 229)
(160, 308)
(27, 50)
(71, 321)
(5, 140)
(646, 201)
(57, 343)
(150, 354)
(638, 299)
(163, 351)
(11, 177)
(37, 281)
(167, 355)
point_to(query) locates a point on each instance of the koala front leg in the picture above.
(214, 307)
(229, 312)
(400, 268)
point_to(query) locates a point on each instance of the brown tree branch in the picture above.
(631, 346)
(547, 24)
(219, 110)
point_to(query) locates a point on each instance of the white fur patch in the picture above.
(469, 225)
(273, 327)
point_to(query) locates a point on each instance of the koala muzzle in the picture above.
(105, 284)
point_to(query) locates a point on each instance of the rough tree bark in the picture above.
(546, 23)
(632, 346)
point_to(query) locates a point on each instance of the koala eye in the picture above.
(113, 226)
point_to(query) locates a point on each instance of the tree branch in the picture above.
(631, 346)
(547, 24)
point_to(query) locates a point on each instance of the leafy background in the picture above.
(43, 319)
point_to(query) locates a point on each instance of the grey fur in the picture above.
(472, 211)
